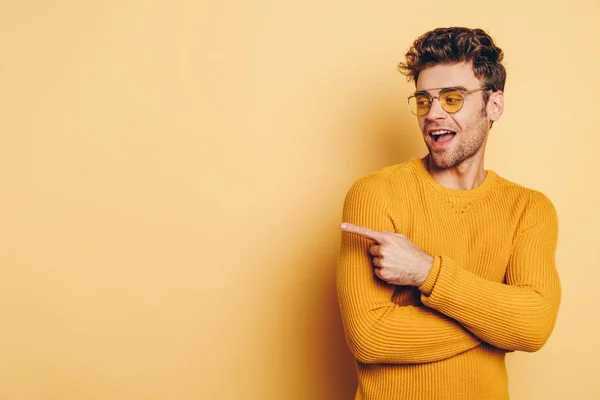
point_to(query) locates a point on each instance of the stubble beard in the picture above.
(467, 148)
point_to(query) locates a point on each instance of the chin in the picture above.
(444, 160)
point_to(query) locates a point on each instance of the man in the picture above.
(445, 266)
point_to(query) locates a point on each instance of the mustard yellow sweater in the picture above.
(493, 286)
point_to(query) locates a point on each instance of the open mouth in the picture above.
(442, 136)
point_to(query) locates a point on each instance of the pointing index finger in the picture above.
(363, 232)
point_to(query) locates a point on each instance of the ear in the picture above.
(495, 105)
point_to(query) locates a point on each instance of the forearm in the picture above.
(381, 331)
(511, 317)
(404, 335)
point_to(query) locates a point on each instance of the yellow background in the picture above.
(172, 176)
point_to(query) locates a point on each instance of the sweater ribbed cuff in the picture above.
(427, 287)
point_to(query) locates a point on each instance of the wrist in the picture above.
(427, 264)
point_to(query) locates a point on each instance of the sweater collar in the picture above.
(489, 181)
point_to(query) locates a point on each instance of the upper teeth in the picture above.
(439, 132)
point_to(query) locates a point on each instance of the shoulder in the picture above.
(533, 205)
(379, 181)
(531, 196)
(369, 200)
(507, 185)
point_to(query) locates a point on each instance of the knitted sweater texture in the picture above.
(493, 287)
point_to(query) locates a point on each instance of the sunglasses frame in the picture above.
(462, 90)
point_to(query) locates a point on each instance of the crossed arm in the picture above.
(459, 309)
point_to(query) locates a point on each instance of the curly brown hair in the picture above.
(455, 45)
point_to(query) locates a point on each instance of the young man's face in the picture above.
(469, 126)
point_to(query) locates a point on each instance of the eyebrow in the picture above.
(441, 88)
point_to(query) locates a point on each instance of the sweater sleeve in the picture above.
(377, 329)
(516, 315)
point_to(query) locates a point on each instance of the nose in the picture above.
(436, 112)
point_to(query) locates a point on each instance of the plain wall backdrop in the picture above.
(172, 175)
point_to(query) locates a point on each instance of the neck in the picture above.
(465, 176)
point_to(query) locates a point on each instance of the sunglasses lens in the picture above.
(452, 101)
(419, 104)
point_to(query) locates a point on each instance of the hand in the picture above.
(397, 260)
